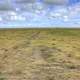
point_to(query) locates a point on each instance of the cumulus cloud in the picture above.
(59, 2)
(25, 1)
(8, 4)
(5, 5)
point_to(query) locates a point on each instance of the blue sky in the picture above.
(39, 14)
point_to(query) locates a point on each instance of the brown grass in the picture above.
(40, 54)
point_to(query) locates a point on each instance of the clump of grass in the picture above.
(2, 78)
(70, 66)
(46, 51)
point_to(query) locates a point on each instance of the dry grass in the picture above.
(40, 54)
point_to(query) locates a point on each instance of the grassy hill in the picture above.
(40, 54)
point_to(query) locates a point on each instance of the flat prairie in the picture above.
(40, 54)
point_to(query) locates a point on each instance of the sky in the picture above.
(39, 13)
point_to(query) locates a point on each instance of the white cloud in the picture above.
(0, 19)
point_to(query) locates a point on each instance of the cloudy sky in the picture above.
(32, 13)
(8, 4)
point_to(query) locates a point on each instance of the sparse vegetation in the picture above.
(40, 54)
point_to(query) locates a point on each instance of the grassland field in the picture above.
(40, 54)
